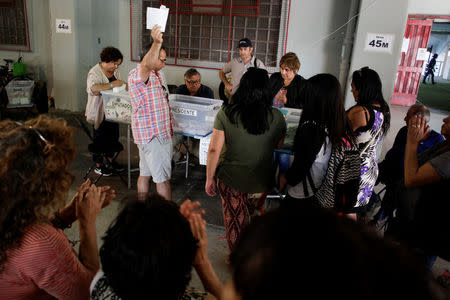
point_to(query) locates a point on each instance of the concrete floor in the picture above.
(192, 187)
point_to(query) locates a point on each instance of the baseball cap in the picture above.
(245, 42)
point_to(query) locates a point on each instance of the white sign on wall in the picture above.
(405, 45)
(379, 42)
(63, 26)
(422, 54)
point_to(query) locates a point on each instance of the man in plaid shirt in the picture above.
(151, 119)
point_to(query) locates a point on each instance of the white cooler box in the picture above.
(19, 92)
(194, 115)
(117, 106)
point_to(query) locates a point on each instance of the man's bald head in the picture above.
(419, 109)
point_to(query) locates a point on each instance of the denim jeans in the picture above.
(281, 160)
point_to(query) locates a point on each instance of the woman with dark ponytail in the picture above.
(370, 119)
(246, 132)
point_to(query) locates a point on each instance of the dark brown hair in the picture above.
(110, 54)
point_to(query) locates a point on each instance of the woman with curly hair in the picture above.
(36, 259)
(246, 132)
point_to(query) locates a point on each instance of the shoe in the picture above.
(116, 166)
(103, 171)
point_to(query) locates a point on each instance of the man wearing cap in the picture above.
(238, 66)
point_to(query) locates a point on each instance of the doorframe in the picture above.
(419, 17)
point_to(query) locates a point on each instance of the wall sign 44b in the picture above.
(379, 42)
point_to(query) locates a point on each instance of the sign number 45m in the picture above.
(379, 44)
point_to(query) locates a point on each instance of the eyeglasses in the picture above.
(48, 145)
(163, 60)
(193, 82)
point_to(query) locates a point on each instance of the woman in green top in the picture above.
(246, 133)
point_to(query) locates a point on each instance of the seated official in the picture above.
(193, 86)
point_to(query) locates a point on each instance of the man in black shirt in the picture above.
(193, 86)
(430, 69)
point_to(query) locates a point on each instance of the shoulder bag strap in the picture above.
(311, 182)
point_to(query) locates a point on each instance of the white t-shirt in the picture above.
(318, 171)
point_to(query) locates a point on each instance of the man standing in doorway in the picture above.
(193, 85)
(430, 69)
(151, 118)
(238, 66)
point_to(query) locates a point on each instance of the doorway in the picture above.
(425, 36)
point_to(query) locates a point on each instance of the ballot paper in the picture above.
(157, 16)
(118, 89)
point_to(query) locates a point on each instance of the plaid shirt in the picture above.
(151, 112)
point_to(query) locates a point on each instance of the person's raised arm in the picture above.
(87, 209)
(150, 60)
(215, 147)
(202, 264)
(415, 175)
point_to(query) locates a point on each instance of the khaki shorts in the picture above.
(155, 159)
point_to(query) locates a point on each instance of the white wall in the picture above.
(85, 45)
(310, 24)
(429, 7)
(386, 17)
(65, 56)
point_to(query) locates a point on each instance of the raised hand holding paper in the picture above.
(157, 16)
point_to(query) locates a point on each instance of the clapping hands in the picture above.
(190, 210)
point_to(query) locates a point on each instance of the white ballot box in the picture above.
(193, 115)
(117, 106)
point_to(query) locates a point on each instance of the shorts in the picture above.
(155, 159)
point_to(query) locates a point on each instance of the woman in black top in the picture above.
(285, 91)
(285, 86)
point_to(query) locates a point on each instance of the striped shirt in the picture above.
(45, 266)
(151, 112)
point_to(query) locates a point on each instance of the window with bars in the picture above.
(205, 33)
(14, 26)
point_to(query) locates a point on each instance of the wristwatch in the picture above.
(59, 223)
(110, 84)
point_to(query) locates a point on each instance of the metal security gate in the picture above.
(408, 74)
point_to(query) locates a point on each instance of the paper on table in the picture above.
(157, 16)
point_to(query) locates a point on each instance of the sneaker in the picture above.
(103, 171)
(116, 166)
